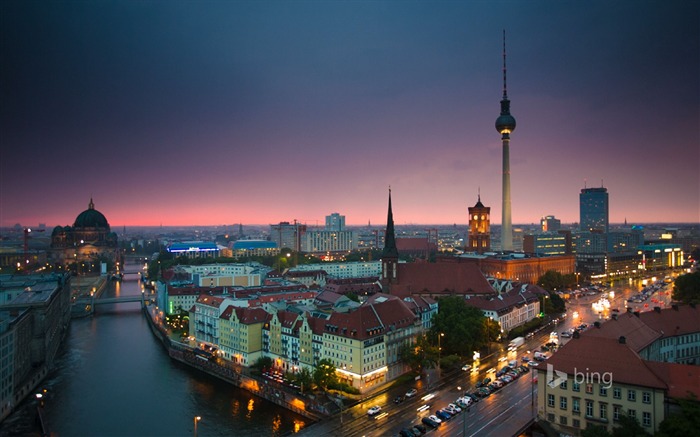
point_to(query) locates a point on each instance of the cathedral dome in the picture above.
(91, 218)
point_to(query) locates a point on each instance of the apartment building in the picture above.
(629, 365)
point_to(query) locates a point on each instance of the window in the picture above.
(589, 408)
(575, 386)
(646, 397)
(604, 411)
(616, 412)
(632, 413)
(562, 420)
(562, 402)
(576, 423)
(631, 395)
(646, 418)
(617, 393)
(562, 386)
(550, 417)
(550, 400)
(576, 405)
(603, 391)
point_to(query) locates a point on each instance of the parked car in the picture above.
(430, 422)
(435, 419)
(412, 392)
(443, 414)
(374, 410)
(406, 433)
(420, 428)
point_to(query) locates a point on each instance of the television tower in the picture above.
(505, 124)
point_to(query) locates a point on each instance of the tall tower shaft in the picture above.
(505, 124)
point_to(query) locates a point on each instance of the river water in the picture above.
(113, 378)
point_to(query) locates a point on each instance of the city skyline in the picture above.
(257, 113)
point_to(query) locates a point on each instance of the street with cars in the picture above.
(495, 395)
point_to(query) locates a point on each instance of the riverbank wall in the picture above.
(264, 389)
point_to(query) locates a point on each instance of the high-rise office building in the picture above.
(335, 222)
(594, 210)
(550, 224)
(288, 235)
(505, 124)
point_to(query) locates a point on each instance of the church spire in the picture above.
(91, 205)
(390, 250)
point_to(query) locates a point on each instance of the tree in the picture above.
(552, 281)
(419, 356)
(305, 379)
(595, 431)
(628, 427)
(686, 288)
(683, 423)
(352, 296)
(324, 374)
(463, 326)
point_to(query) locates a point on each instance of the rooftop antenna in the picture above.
(601, 183)
(585, 183)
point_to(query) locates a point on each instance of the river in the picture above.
(113, 378)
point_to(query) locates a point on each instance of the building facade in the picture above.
(593, 207)
(479, 239)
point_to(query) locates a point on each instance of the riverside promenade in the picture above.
(310, 407)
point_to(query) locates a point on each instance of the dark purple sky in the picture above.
(216, 112)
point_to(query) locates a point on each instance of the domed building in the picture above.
(88, 240)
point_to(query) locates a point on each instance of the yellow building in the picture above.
(612, 370)
(240, 334)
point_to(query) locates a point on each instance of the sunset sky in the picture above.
(215, 112)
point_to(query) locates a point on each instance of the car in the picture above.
(443, 414)
(420, 428)
(566, 334)
(526, 359)
(466, 367)
(455, 407)
(398, 399)
(406, 433)
(533, 364)
(430, 422)
(434, 418)
(412, 392)
(374, 410)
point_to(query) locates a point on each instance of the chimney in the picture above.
(675, 307)
(657, 309)
(622, 339)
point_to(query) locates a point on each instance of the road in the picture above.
(502, 413)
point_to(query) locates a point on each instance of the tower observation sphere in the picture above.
(505, 123)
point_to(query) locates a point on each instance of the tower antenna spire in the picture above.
(505, 94)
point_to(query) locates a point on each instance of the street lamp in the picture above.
(196, 420)
(442, 334)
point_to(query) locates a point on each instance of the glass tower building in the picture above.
(594, 209)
